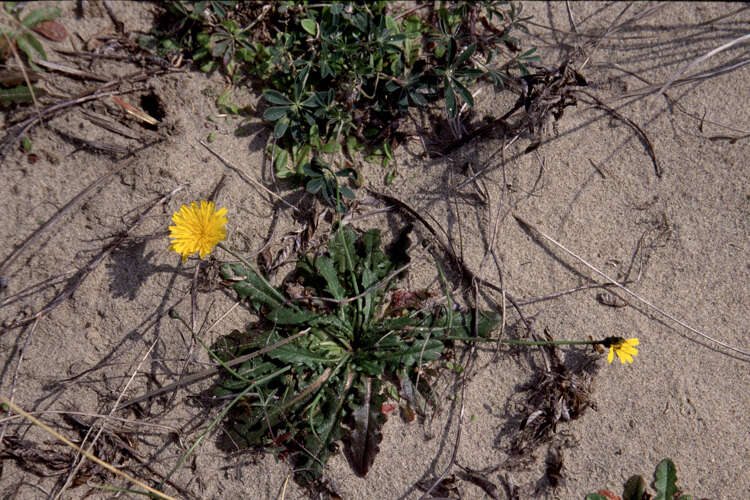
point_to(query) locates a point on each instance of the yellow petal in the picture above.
(624, 357)
(611, 354)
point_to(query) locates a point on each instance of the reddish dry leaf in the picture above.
(12, 78)
(386, 408)
(405, 299)
(407, 413)
(51, 30)
(136, 112)
(609, 495)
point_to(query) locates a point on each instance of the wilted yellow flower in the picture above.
(625, 349)
(197, 229)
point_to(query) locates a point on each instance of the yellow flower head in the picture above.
(625, 349)
(197, 229)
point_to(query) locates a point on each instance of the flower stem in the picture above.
(551, 342)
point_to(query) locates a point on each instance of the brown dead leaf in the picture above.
(51, 30)
(609, 494)
(11, 78)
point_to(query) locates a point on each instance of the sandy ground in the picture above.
(591, 185)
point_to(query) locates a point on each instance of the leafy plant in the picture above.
(20, 35)
(665, 484)
(347, 71)
(323, 180)
(325, 351)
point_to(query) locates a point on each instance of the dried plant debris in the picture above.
(560, 394)
(45, 459)
(548, 91)
(554, 466)
(610, 299)
(446, 487)
(479, 478)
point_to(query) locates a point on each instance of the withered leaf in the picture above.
(366, 437)
(51, 30)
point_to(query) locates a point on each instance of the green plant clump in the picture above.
(323, 354)
(347, 73)
(665, 484)
(17, 32)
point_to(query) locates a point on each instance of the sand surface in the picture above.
(678, 229)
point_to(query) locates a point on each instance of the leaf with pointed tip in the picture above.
(665, 480)
(291, 353)
(420, 351)
(310, 26)
(325, 267)
(52, 30)
(327, 430)
(253, 287)
(341, 245)
(276, 97)
(461, 325)
(450, 98)
(273, 113)
(465, 55)
(39, 15)
(280, 129)
(366, 436)
(288, 316)
(463, 92)
(18, 94)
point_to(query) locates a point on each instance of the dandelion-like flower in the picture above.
(624, 348)
(197, 229)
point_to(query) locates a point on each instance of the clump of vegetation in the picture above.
(342, 76)
(665, 484)
(18, 37)
(325, 350)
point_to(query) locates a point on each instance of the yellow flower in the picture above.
(197, 229)
(625, 350)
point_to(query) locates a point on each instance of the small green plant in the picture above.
(347, 72)
(332, 346)
(18, 34)
(326, 351)
(665, 484)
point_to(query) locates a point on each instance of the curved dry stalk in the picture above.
(88, 455)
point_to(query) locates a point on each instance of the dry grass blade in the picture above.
(71, 71)
(76, 281)
(88, 455)
(78, 466)
(631, 293)
(18, 129)
(703, 58)
(68, 207)
(248, 179)
(211, 371)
